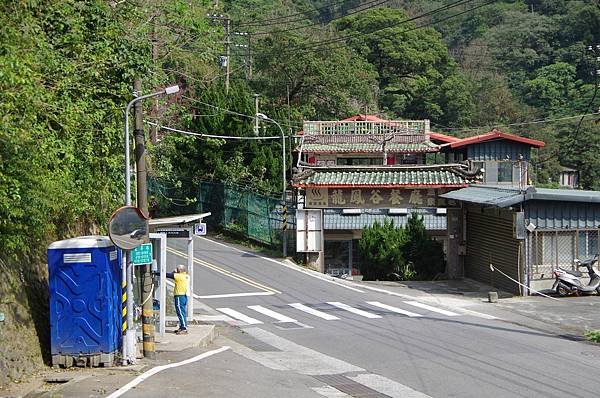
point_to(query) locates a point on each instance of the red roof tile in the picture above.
(364, 118)
(493, 135)
(442, 137)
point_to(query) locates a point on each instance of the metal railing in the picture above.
(552, 249)
(367, 127)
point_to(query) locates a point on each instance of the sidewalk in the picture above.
(95, 382)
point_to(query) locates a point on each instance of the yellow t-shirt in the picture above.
(182, 280)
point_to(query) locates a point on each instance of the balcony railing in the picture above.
(409, 127)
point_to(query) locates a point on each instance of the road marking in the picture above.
(330, 392)
(226, 272)
(212, 296)
(296, 358)
(158, 369)
(353, 310)
(314, 312)
(310, 273)
(432, 309)
(393, 309)
(271, 313)
(239, 316)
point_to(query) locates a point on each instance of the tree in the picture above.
(324, 83)
(417, 77)
(426, 255)
(380, 248)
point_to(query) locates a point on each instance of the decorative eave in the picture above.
(427, 177)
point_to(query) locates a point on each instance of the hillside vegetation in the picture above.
(67, 69)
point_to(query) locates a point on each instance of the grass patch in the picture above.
(593, 335)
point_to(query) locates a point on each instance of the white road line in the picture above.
(393, 309)
(271, 313)
(314, 312)
(353, 310)
(330, 392)
(234, 295)
(432, 309)
(157, 369)
(239, 316)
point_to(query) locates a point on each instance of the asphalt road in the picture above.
(338, 339)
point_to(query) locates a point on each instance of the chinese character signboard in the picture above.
(373, 198)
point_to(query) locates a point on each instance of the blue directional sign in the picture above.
(200, 229)
(142, 254)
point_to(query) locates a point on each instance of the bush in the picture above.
(593, 335)
(390, 253)
(380, 248)
(426, 254)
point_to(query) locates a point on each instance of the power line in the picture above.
(201, 135)
(233, 112)
(269, 21)
(363, 7)
(520, 123)
(325, 45)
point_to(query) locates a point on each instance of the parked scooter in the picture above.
(569, 282)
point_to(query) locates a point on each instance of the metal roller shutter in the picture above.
(490, 239)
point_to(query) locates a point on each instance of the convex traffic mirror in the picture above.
(128, 228)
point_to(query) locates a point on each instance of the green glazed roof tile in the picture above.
(384, 177)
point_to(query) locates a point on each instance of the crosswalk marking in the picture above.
(271, 313)
(239, 316)
(430, 308)
(353, 310)
(393, 309)
(314, 312)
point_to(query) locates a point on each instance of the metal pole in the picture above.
(227, 44)
(129, 338)
(142, 204)
(190, 270)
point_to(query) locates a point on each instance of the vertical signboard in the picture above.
(309, 230)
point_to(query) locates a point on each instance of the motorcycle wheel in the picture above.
(562, 290)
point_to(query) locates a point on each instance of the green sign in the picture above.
(142, 254)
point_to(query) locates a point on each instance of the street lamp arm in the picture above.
(168, 90)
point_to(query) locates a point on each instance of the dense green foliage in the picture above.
(390, 252)
(380, 248)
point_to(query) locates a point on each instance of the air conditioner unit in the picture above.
(441, 210)
(351, 211)
(398, 211)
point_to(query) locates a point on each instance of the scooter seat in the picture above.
(576, 273)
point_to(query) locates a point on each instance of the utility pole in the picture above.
(142, 204)
(225, 59)
(227, 52)
(256, 96)
(154, 129)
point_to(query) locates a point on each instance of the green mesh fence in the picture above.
(247, 213)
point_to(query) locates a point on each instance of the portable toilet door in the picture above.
(85, 297)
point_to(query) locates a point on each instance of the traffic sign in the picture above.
(175, 232)
(200, 228)
(142, 254)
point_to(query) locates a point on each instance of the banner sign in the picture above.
(374, 198)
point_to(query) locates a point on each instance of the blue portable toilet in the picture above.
(85, 301)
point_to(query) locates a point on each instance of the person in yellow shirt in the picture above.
(180, 292)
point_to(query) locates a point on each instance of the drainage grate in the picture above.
(349, 386)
